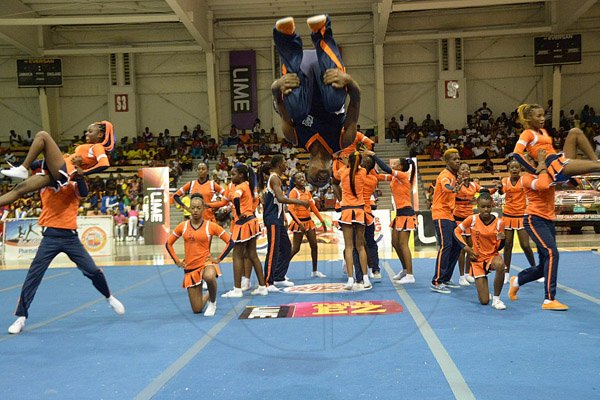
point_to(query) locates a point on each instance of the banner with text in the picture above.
(156, 205)
(242, 74)
(22, 237)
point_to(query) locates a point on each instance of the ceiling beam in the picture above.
(381, 17)
(415, 36)
(569, 11)
(122, 49)
(23, 38)
(91, 20)
(445, 4)
(192, 13)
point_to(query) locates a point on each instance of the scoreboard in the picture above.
(557, 50)
(39, 72)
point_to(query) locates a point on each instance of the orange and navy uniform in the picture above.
(209, 191)
(514, 203)
(345, 152)
(444, 199)
(539, 224)
(246, 229)
(60, 206)
(302, 214)
(532, 142)
(401, 186)
(485, 241)
(197, 243)
(93, 158)
(465, 199)
(370, 185)
(352, 205)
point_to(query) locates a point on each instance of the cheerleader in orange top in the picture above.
(209, 190)
(487, 235)
(302, 224)
(560, 166)
(401, 175)
(56, 169)
(465, 198)
(352, 220)
(512, 215)
(539, 223)
(198, 266)
(245, 230)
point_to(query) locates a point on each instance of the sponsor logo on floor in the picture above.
(323, 309)
(323, 288)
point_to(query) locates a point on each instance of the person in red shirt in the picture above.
(487, 237)
(512, 215)
(560, 166)
(444, 200)
(198, 266)
(56, 169)
(302, 223)
(59, 221)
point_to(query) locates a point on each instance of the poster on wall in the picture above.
(156, 205)
(22, 237)
(242, 74)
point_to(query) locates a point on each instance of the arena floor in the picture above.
(431, 346)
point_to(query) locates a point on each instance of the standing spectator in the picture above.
(132, 222)
(120, 220)
(394, 129)
(147, 135)
(485, 114)
(402, 126)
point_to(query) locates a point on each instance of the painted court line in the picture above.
(157, 383)
(45, 279)
(83, 306)
(568, 289)
(455, 379)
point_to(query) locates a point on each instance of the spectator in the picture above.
(132, 223)
(402, 126)
(120, 221)
(484, 113)
(394, 129)
(487, 166)
(147, 135)
(14, 139)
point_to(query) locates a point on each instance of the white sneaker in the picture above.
(260, 291)
(349, 284)
(470, 279)
(462, 281)
(211, 309)
(16, 172)
(245, 284)
(318, 274)
(400, 275)
(506, 278)
(141, 239)
(366, 282)
(116, 305)
(541, 280)
(377, 275)
(285, 283)
(498, 305)
(235, 292)
(370, 272)
(273, 289)
(407, 279)
(17, 326)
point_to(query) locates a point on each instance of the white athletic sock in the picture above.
(495, 298)
(547, 301)
(515, 282)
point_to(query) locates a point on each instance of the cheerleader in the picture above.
(198, 266)
(245, 230)
(207, 188)
(302, 224)
(401, 175)
(559, 166)
(352, 220)
(56, 169)
(512, 214)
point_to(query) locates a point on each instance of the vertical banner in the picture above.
(156, 205)
(242, 73)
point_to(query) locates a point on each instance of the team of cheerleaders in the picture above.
(310, 98)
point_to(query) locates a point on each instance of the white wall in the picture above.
(172, 90)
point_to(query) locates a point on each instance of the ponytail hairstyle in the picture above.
(265, 169)
(247, 175)
(405, 165)
(109, 135)
(354, 164)
(524, 112)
